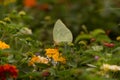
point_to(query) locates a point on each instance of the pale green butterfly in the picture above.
(61, 33)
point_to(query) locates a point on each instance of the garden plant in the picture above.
(43, 46)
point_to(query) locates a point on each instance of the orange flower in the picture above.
(3, 45)
(38, 59)
(30, 3)
(8, 70)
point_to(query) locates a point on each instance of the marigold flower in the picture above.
(3, 45)
(38, 59)
(29, 3)
(8, 70)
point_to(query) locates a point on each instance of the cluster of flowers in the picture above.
(50, 53)
(8, 70)
(106, 68)
(55, 55)
(38, 59)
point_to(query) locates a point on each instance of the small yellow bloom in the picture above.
(118, 38)
(7, 19)
(47, 18)
(105, 67)
(83, 43)
(22, 13)
(38, 59)
(3, 45)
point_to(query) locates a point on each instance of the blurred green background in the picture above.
(93, 14)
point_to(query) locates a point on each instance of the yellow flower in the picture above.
(105, 67)
(3, 45)
(38, 59)
(58, 58)
(22, 13)
(55, 55)
(47, 17)
(7, 19)
(51, 52)
(114, 68)
(118, 38)
(62, 60)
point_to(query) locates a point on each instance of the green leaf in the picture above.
(82, 37)
(96, 32)
(116, 49)
(61, 33)
(102, 37)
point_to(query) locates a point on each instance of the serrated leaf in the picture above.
(61, 33)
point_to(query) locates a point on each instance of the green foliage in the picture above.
(98, 34)
(30, 33)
